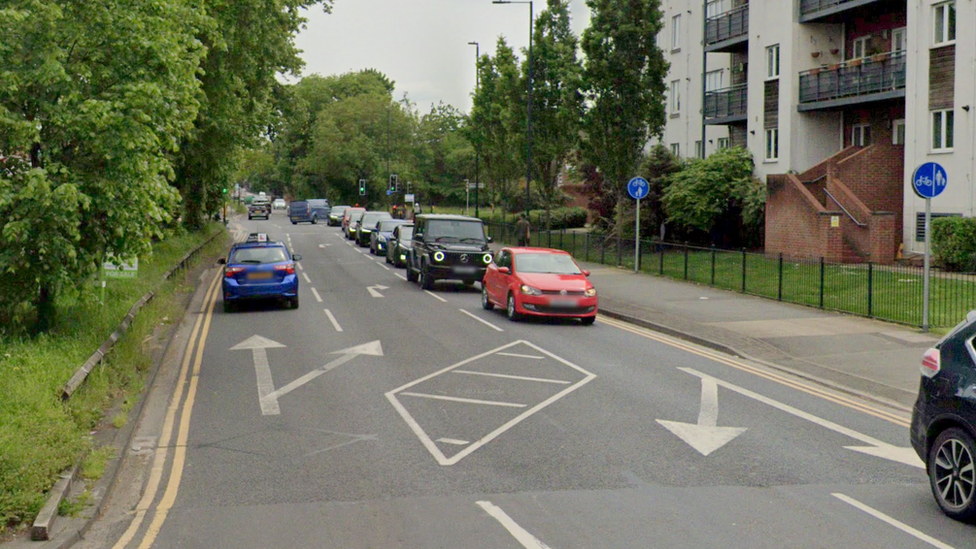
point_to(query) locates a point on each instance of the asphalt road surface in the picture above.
(378, 415)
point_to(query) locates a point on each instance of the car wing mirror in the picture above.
(296, 257)
(222, 261)
(586, 273)
(504, 270)
(490, 239)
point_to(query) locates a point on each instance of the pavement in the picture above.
(872, 359)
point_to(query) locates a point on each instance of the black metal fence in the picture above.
(887, 292)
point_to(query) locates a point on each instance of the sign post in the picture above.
(637, 188)
(928, 182)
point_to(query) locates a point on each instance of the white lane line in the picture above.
(321, 245)
(520, 534)
(332, 319)
(384, 266)
(307, 279)
(483, 321)
(453, 441)
(317, 296)
(299, 265)
(893, 522)
(432, 294)
(516, 355)
(506, 376)
(464, 400)
(400, 276)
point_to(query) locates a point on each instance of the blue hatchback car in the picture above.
(260, 270)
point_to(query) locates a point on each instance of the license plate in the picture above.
(563, 303)
(465, 270)
(259, 276)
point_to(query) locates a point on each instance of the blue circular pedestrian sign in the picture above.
(638, 188)
(929, 180)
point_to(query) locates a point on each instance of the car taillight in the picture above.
(231, 271)
(289, 268)
(931, 362)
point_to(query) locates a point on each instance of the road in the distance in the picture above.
(379, 415)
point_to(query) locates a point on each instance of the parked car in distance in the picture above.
(538, 282)
(335, 216)
(944, 420)
(278, 204)
(347, 218)
(353, 226)
(399, 245)
(380, 237)
(300, 212)
(448, 247)
(259, 269)
(320, 208)
(368, 224)
(259, 207)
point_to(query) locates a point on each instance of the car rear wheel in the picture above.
(510, 309)
(411, 274)
(485, 302)
(315, 221)
(588, 320)
(294, 223)
(294, 302)
(952, 474)
(229, 306)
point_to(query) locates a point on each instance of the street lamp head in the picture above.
(472, 43)
(501, 2)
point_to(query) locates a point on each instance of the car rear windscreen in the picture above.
(258, 256)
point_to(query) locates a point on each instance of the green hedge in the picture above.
(562, 218)
(954, 243)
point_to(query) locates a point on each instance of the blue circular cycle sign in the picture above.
(638, 188)
(929, 180)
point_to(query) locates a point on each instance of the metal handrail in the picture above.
(843, 209)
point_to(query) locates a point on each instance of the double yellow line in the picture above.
(782, 380)
(194, 353)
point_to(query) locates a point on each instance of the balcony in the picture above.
(726, 106)
(824, 10)
(874, 78)
(728, 31)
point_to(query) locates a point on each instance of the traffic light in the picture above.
(393, 182)
(409, 189)
(362, 187)
(225, 190)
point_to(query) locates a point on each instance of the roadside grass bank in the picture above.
(40, 436)
(892, 293)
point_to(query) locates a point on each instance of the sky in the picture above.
(422, 45)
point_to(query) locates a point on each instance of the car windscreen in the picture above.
(258, 255)
(370, 219)
(338, 210)
(389, 224)
(452, 230)
(318, 203)
(546, 263)
(406, 233)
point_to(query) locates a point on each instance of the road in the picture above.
(378, 415)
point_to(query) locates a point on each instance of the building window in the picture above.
(860, 47)
(898, 132)
(717, 7)
(699, 152)
(772, 144)
(772, 62)
(714, 80)
(942, 128)
(944, 17)
(899, 39)
(676, 32)
(861, 135)
(675, 97)
(723, 143)
(676, 149)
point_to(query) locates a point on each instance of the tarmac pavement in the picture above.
(873, 359)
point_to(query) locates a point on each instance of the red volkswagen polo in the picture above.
(538, 282)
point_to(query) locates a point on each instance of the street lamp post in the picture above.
(528, 118)
(477, 149)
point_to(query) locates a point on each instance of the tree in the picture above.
(94, 98)
(717, 195)
(444, 156)
(557, 103)
(623, 83)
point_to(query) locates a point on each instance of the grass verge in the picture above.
(39, 435)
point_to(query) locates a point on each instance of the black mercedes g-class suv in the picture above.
(448, 247)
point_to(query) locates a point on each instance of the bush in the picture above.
(562, 218)
(954, 243)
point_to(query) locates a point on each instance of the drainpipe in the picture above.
(704, 72)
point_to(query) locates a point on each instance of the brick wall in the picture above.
(874, 174)
(796, 224)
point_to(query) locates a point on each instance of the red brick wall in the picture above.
(875, 176)
(796, 224)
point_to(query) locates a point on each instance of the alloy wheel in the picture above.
(954, 474)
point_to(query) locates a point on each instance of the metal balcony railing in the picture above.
(854, 78)
(808, 7)
(726, 26)
(727, 103)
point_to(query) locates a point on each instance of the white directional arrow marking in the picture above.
(371, 349)
(259, 346)
(706, 436)
(373, 292)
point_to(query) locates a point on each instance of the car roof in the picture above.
(268, 244)
(450, 217)
(297, 202)
(552, 251)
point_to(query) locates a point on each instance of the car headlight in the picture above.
(438, 256)
(591, 292)
(486, 258)
(381, 238)
(529, 290)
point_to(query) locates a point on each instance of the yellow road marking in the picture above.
(782, 380)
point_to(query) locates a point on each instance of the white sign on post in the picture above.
(125, 270)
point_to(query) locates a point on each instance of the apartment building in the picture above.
(839, 101)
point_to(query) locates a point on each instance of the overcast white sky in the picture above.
(420, 44)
